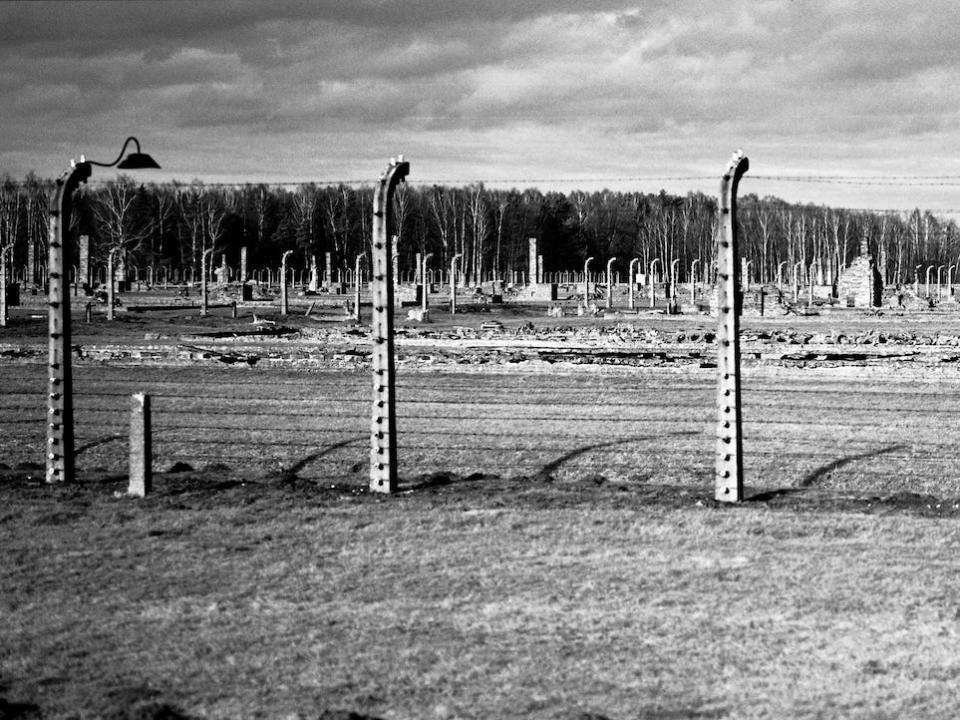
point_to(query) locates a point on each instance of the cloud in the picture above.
(535, 85)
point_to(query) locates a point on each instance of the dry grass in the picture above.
(619, 589)
(476, 600)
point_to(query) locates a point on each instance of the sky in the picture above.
(515, 93)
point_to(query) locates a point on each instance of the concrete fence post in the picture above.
(610, 282)
(653, 287)
(425, 281)
(3, 284)
(693, 281)
(356, 289)
(60, 435)
(729, 476)
(141, 453)
(586, 280)
(204, 270)
(453, 283)
(632, 282)
(929, 270)
(532, 271)
(383, 424)
(111, 281)
(284, 308)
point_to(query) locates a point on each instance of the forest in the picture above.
(171, 225)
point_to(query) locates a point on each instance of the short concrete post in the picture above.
(610, 282)
(632, 282)
(940, 283)
(729, 475)
(233, 309)
(141, 454)
(283, 282)
(916, 280)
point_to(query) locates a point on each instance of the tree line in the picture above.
(171, 225)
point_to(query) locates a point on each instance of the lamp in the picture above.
(59, 450)
(134, 161)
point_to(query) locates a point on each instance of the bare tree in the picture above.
(115, 211)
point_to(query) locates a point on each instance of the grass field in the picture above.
(555, 551)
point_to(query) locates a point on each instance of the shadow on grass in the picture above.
(99, 442)
(821, 472)
(551, 468)
(304, 461)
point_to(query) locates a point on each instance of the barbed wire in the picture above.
(578, 433)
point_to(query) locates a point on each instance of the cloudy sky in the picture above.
(628, 95)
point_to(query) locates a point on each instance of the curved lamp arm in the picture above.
(134, 161)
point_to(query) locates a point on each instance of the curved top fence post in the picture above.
(383, 425)
(729, 479)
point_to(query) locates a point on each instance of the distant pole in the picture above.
(586, 281)
(3, 284)
(929, 270)
(693, 281)
(356, 294)
(653, 287)
(423, 280)
(110, 282)
(453, 283)
(610, 282)
(632, 277)
(204, 270)
(284, 304)
(729, 473)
